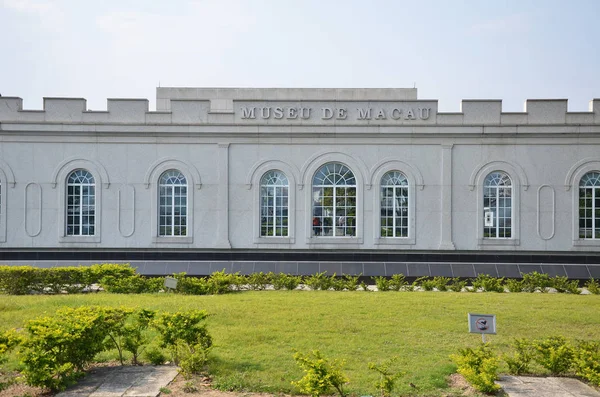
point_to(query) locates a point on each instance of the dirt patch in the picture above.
(201, 385)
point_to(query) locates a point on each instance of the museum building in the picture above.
(302, 180)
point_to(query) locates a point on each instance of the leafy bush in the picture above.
(425, 282)
(535, 281)
(487, 283)
(191, 285)
(397, 282)
(318, 281)
(58, 348)
(155, 355)
(259, 281)
(518, 363)
(20, 280)
(185, 335)
(387, 377)
(8, 340)
(364, 286)
(351, 282)
(321, 376)
(587, 361)
(514, 285)
(441, 283)
(136, 284)
(479, 367)
(126, 330)
(562, 284)
(222, 283)
(593, 286)
(554, 353)
(382, 283)
(457, 285)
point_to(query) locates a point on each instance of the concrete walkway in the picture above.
(523, 386)
(128, 381)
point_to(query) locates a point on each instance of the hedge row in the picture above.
(55, 350)
(115, 278)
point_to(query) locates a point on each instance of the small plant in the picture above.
(519, 362)
(457, 285)
(535, 281)
(286, 281)
(425, 282)
(479, 366)
(562, 284)
(382, 283)
(189, 387)
(387, 377)
(397, 282)
(259, 281)
(587, 361)
(318, 281)
(351, 282)
(593, 286)
(441, 283)
(321, 376)
(554, 354)
(155, 356)
(487, 283)
(364, 286)
(514, 285)
(165, 390)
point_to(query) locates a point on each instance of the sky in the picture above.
(449, 49)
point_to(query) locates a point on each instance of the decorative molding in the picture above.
(73, 163)
(514, 170)
(313, 163)
(539, 211)
(167, 163)
(585, 165)
(262, 166)
(27, 209)
(391, 164)
(6, 173)
(119, 209)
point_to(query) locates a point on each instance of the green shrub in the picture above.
(479, 366)
(155, 355)
(593, 286)
(514, 285)
(286, 281)
(318, 281)
(457, 285)
(127, 330)
(99, 271)
(20, 280)
(562, 284)
(136, 284)
(259, 281)
(554, 353)
(441, 283)
(587, 361)
(321, 376)
(518, 363)
(351, 282)
(364, 286)
(382, 283)
(186, 336)
(425, 283)
(487, 283)
(535, 281)
(8, 340)
(58, 348)
(387, 377)
(397, 282)
(191, 285)
(222, 283)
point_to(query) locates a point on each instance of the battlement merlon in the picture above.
(221, 110)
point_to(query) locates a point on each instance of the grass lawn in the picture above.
(254, 332)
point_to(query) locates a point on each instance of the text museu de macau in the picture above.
(334, 113)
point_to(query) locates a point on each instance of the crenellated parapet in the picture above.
(272, 107)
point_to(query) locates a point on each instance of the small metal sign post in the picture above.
(482, 324)
(170, 283)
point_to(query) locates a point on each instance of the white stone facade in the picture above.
(223, 140)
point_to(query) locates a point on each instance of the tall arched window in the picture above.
(172, 199)
(274, 195)
(81, 204)
(589, 206)
(497, 205)
(334, 201)
(394, 205)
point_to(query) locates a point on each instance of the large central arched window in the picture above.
(81, 204)
(497, 205)
(334, 201)
(589, 206)
(394, 205)
(274, 196)
(172, 196)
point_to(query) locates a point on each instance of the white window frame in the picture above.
(280, 199)
(80, 215)
(395, 205)
(496, 189)
(174, 208)
(584, 169)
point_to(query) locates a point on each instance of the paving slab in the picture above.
(127, 381)
(526, 386)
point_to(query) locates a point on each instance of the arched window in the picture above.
(394, 205)
(172, 199)
(274, 197)
(81, 204)
(497, 205)
(334, 201)
(589, 206)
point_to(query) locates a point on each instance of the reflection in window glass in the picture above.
(394, 205)
(172, 196)
(334, 201)
(497, 206)
(589, 206)
(81, 204)
(274, 189)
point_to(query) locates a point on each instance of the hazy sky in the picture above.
(451, 50)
